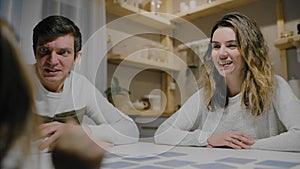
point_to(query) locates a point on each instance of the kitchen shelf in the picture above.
(138, 15)
(147, 113)
(212, 8)
(140, 63)
(287, 42)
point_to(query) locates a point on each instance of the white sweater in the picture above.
(278, 129)
(82, 96)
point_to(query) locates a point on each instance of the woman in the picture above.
(241, 104)
(17, 106)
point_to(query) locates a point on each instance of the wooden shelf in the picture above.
(138, 15)
(288, 42)
(212, 8)
(140, 63)
(147, 113)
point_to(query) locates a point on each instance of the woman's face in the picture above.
(226, 56)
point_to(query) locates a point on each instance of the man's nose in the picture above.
(53, 57)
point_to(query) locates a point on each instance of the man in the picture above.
(64, 96)
(18, 123)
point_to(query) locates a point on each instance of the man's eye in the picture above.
(63, 52)
(43, 50)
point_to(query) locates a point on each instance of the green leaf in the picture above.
(116, 82)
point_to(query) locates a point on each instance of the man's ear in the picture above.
(78, 56)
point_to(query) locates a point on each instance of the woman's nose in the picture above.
(223, 51)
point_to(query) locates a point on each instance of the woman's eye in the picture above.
(215, 46)
(232, 46)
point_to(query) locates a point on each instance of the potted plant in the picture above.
(115, 89)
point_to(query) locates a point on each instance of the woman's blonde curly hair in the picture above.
(258, 87)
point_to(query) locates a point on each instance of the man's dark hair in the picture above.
(55, 26)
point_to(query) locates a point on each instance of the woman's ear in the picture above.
(78, 56)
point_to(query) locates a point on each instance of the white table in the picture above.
(197, 155)
(145, 154)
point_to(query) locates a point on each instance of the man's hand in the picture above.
(51, 131)
(233, 139)
(71, 146)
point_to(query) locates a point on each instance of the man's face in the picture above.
(55, 58)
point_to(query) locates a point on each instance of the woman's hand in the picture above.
(75, 149)
(233, 139)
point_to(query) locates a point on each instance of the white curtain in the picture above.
(89, 15)
(10, 12)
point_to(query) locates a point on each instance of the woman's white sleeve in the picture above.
(176, 130)
(287, 106)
